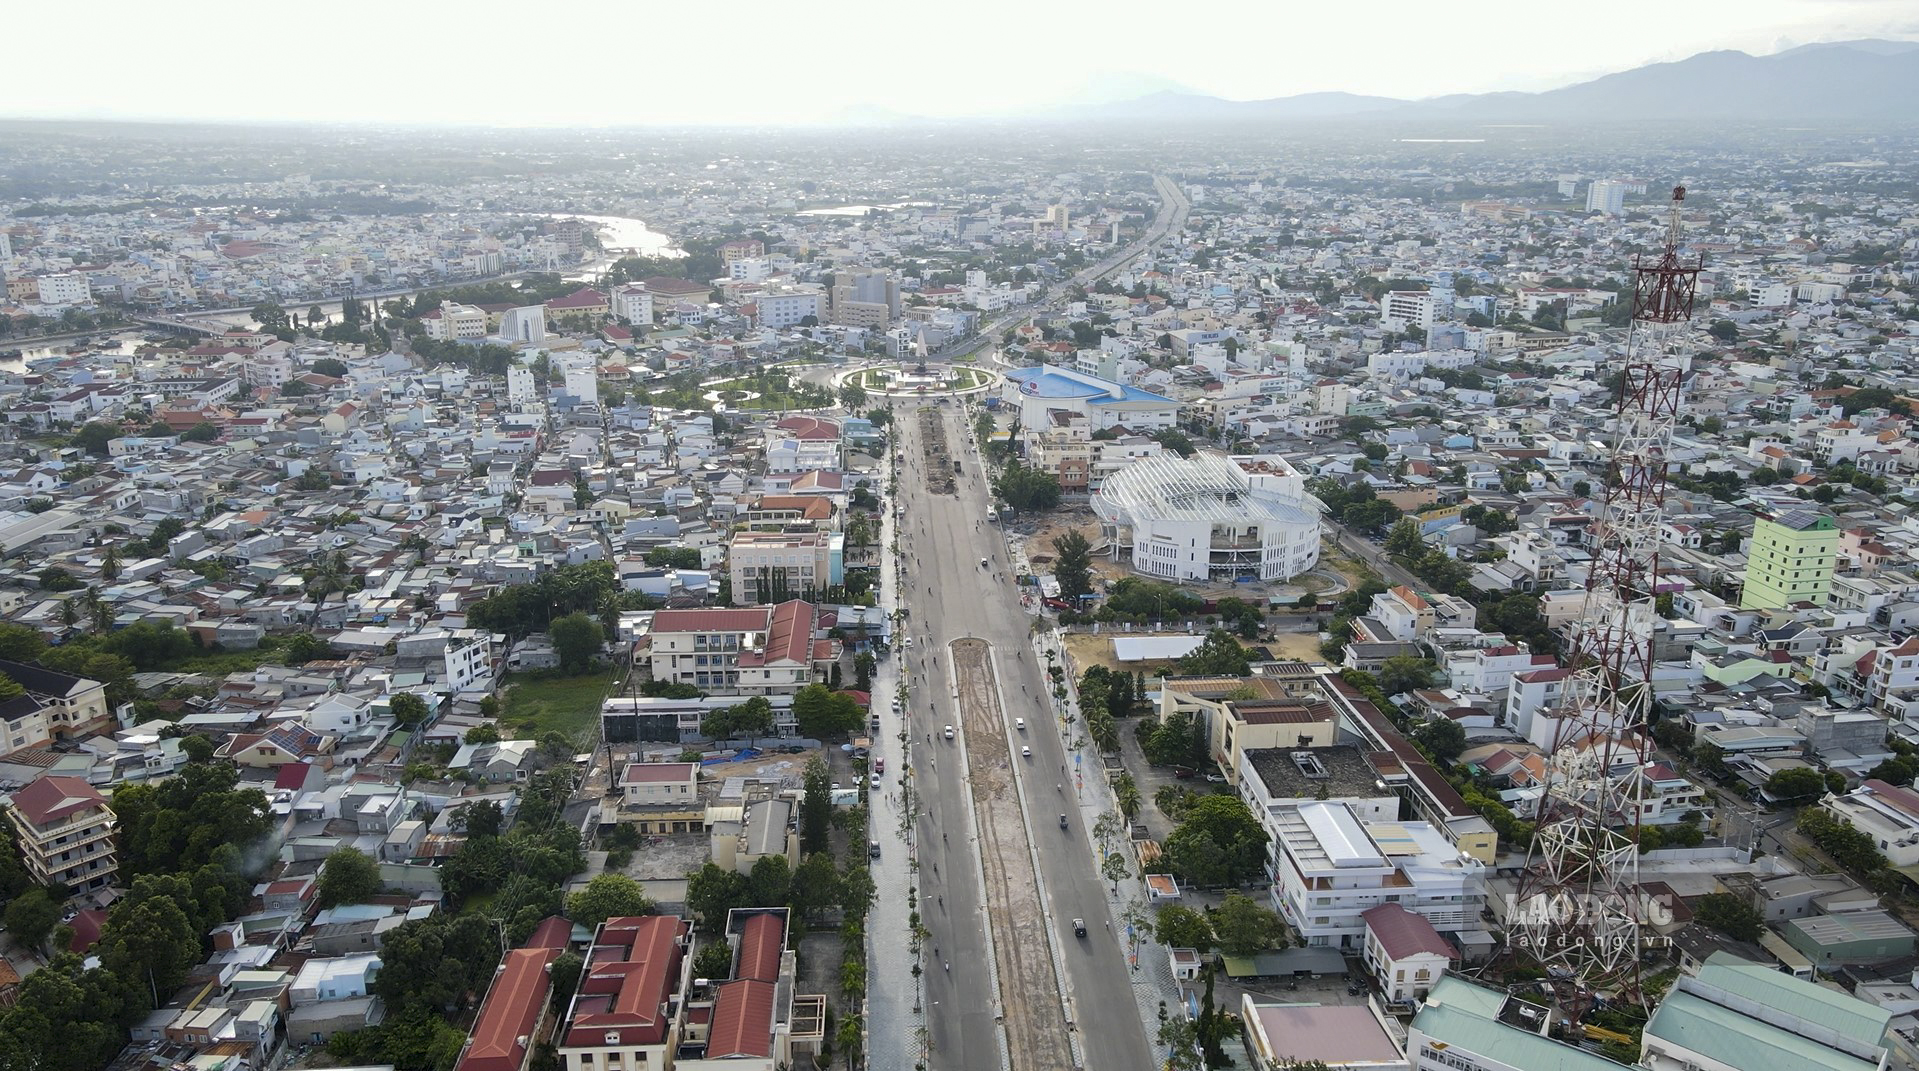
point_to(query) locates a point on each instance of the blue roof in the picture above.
(1048, 383)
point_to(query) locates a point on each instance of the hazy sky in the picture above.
(594, 62)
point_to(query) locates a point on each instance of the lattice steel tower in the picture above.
(1579, 909)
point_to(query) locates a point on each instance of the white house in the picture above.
(1404, 953)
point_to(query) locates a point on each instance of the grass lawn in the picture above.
(567, 705)
(221, 663)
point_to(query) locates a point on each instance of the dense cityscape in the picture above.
(611, 600)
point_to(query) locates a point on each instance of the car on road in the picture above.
(1062, 821)
(1020, 724)
(909, 643)
(873, 782)
(873, 849)
(982, 563)
(1184, 773)
(1216, 777)
(949, 732)
(879, 764)
(1026, 753)
(1079, 927)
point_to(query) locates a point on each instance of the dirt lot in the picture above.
(1299, 646)
(1038, 535)
(1088, 650)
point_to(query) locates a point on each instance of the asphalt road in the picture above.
(1372, 554)
(951, 598)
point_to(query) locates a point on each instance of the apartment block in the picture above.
(761, 650)
(1330, 867)
(1790, 561)
(774, 566)
(65, 831)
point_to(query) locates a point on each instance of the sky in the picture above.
(635, 62)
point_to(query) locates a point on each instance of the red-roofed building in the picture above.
(748, 1027)
(512, 1014)
(646, 784)
(584, 300)
(1404, 953)
(65, 831)
(627, 1011)
(757, 650)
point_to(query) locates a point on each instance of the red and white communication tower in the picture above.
(1579, 908)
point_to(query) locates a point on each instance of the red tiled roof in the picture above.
(810, 429)
(762, 940)
(86, 929)
(747, 619)
(742, 1020)
(584, 298)
(654, 773)
(55, 797)
(627, 996)
(512, 1009)
(554, 932)
(1405, 933)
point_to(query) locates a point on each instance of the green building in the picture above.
(1790, 560)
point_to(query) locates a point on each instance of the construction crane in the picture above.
(1579, 908)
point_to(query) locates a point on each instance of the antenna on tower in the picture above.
(1579, 907)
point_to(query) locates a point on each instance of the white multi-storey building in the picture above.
(1330, 867)
(1400, 309)
(1211, 517)
(65, 288)
(457, 322)
(786, 308)
(1606, 195)
(633, 304)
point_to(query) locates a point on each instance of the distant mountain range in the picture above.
(1868, 80)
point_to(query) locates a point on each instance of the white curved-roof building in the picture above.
(1210, 517)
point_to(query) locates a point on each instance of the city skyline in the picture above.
(369, 63)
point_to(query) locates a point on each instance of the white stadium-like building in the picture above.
(1210, 517)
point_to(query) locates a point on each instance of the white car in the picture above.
(1020, 724)
(1026, 753)
(949, 732)
(909, 643)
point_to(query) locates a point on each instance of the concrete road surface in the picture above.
(1043, 876)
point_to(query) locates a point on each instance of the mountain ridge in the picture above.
(1868, 79)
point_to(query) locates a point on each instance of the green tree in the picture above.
(715, 960)
(711, 892)
(436, 963)
(1183, 927)
(408, 709)
(820, 713)
(1027, 490)
(1404, 541)
(1404, 673)
(19, 643)
(483, 733)
(815, 886)
(1115, 868)
(608, 896)
(55, 579)
(196, 747)
(1725, 331)
(203, 432)
(577, 640)
(1730, 915)
(1218, 655)
(1246, 928)
(1126, 795)
(770, 882)
(1073, 566)
(349, 876)
(1443, 737)
(93, 437)
(816, 806)
(864, 665)
(1801, 783)
(1218, 842)
(182, 823)
(328, 366)
(31, 917)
